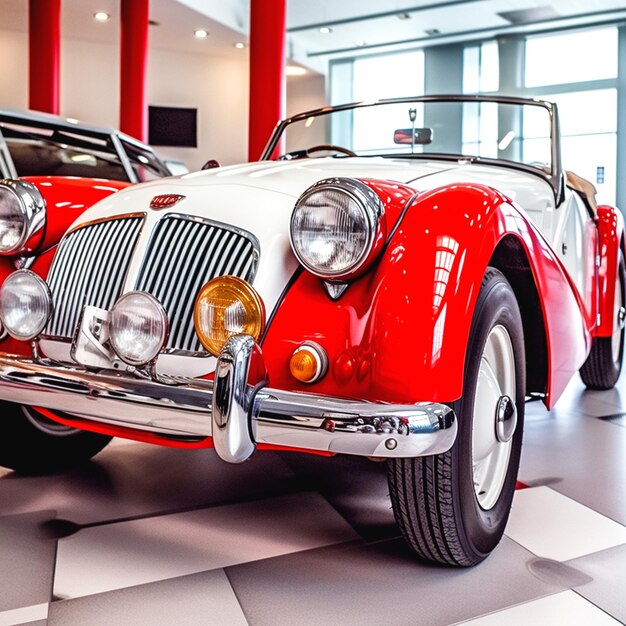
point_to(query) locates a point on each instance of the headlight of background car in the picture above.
(336, 228)
(22, 217)
(25, 305)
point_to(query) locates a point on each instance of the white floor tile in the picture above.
(120, 555)
(553, 526)
(24, 615)
(561, 609)
(207, 599)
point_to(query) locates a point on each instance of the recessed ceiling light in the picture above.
(325, 30)
(359, 43)
(295, 70)
(431, 32)
(101, 16)
(404, 16)
(201, 33)
(239, 45)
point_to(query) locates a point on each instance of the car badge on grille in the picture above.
(165, 201)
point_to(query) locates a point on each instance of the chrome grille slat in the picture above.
(89, 268)
(77, 289)
(182, 297)
(183, 254)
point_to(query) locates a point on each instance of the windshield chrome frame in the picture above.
(554, 177)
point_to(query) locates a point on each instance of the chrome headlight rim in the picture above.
(45, 289)
(373, 209)
(33, 208)
(161, 338)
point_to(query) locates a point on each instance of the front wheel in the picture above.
(452, 508)
(33, 444)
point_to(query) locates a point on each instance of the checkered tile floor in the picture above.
(146, 535)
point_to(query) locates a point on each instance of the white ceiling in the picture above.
(379, 26)
(374, 22)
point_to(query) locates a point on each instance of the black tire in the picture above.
(31, 444)
(603, 367)
(434, 500)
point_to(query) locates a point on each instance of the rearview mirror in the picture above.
(413, 136)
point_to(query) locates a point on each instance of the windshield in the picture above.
(518, 131)
(44, 151)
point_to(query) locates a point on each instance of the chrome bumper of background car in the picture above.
(237, 412)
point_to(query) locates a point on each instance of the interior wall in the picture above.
(13, 69)
(305, 93)
(216, 86)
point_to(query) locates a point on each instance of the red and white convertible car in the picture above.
(387, 282)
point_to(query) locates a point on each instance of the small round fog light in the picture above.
(139, 327)
(25, 305)
(308, 363)
(227, 306)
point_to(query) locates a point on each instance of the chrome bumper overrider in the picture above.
(237, 412)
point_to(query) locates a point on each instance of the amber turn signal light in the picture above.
(308, 363)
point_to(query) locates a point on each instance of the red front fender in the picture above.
(399, 333)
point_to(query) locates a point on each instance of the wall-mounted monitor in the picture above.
(172, 126)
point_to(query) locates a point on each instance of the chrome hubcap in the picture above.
(495, 417)
(506, 419)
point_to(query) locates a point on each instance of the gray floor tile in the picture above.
(580, 458)
(381, 584)
(138, 479)
(205, 598)
(26, 561)
(607, 580)
(356, 487)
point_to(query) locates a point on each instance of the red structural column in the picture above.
(267, 71)
(44, 37)
(133, 66)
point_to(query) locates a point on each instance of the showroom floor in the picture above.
(147, 535)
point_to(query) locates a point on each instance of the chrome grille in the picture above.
(183, 254)
(89, 268)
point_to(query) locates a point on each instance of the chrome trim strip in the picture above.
(124, 160)
(276, 417)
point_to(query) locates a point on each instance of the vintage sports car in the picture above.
(392, 280)
(78, 164)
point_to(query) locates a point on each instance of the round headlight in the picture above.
(25, 305)
(22, 216)
(334, 227)
(227, 306)
(138, 328)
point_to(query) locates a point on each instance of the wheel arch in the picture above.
(511, 259)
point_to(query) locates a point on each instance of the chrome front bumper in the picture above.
(237, 412)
